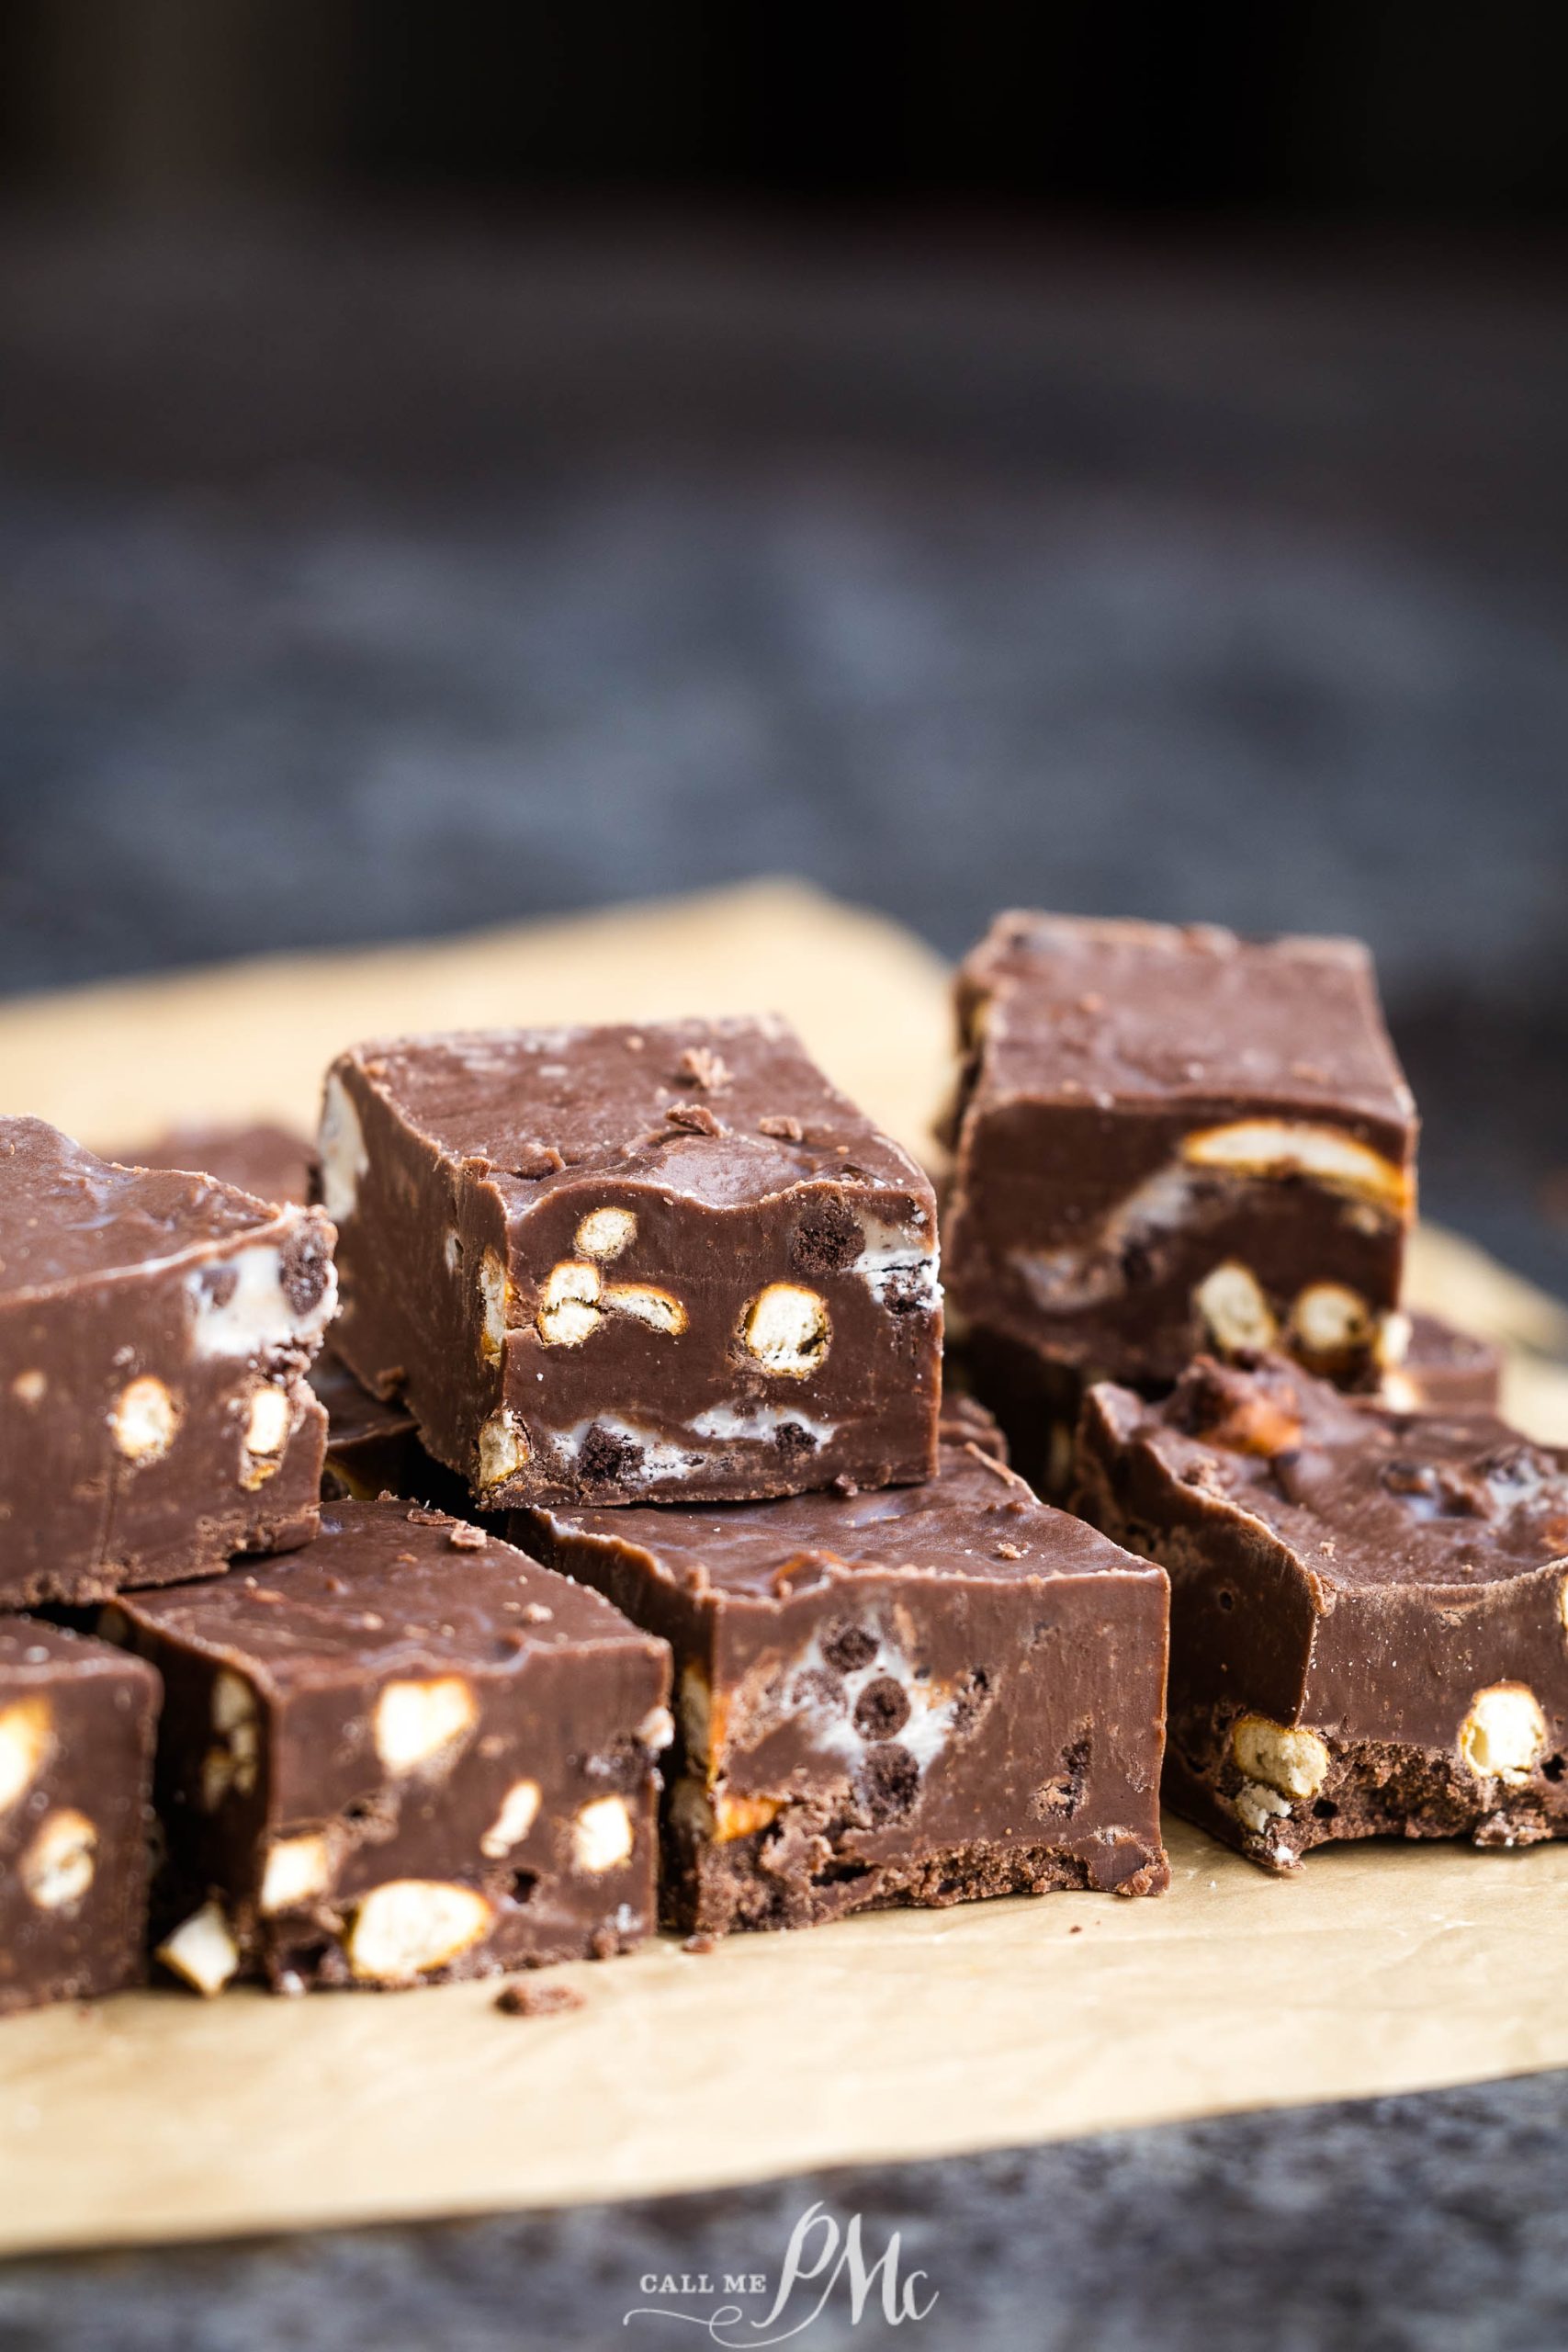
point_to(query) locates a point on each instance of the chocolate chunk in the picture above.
(369, 1772)
(306, 1269)
(889, 1783)
(827, 1238)
(694, 1118)
(882, 1709)
(153, 1420)
(848, 1647)
(607, 1458)
(526, 1998)
(700, 1066)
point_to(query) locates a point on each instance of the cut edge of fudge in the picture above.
(75, 1814)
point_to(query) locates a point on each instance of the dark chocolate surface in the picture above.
(1123, 1011)
(386, 1585)
(271, 1161)
(408, 1753)
(68, 1216)
(77, 1722)
(571, 1252)
(155, 1329)
(542, 1105)
(976, 1519)
(1368, 1495)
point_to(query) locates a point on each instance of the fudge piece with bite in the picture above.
(1367, 1608)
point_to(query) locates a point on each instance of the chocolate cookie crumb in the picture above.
(526, 1999)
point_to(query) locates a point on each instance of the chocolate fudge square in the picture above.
(662, 1263)
(155, 1331)
(918, 1696)
(1367, 1608)
(406, 1754)
(1168, 1140)
(77, 1724)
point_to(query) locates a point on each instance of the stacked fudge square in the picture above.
(1183, 1178)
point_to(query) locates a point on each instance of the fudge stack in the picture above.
(562, 1523)
(1184, 1177)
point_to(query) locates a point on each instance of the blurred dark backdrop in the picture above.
(459, 463)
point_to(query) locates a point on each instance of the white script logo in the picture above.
(820, 2258)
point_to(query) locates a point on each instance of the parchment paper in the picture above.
(156, 2116)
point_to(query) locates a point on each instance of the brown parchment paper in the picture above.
(907, 2035)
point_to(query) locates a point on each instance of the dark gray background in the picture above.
(1433, 2224)
(365, 574)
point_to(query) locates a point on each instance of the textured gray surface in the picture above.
(1434, 2224)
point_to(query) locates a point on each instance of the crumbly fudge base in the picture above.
(789, 1875)
(309, 1952)
(285, 1963)
(1373, 1789)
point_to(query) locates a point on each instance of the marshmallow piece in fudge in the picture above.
(658, 1263)
(155, 1330)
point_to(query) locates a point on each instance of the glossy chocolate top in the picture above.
(29, 1646)
(1362, 1496)
(1108, 1012)
(976, 1517)
(386, 1585)
(272, 1162)
(68, 1216)
(649, 1101)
